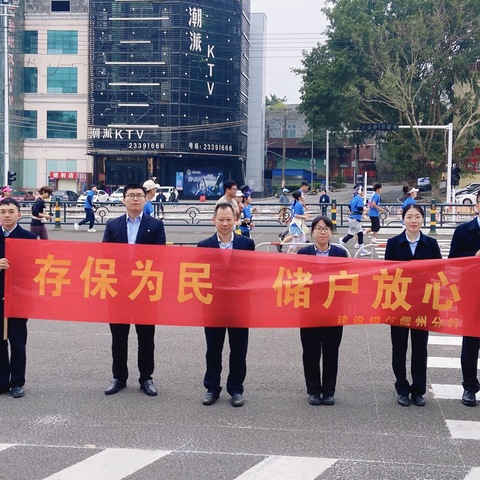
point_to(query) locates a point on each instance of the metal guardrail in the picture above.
(264, 215)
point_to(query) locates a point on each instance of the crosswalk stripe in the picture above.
(448, 392)
(464, 429)
(474, 474)
(110, 464)
(444, 340)
(4, 446)
(288, 468)
(443, 362)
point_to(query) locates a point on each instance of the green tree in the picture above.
(273, 102)
(409, 62)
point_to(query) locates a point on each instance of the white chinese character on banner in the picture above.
(95, 132)
(195, 42)
(107, 133)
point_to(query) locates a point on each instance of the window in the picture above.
(30, 80)
(30, 124)
(291, 130)
(62, 42)
(62, 80)
(30, 41)
(61, 124)
(60, 5)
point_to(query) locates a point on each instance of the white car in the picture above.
(369, 193)
(117, 195)
(171, 193)
(467, 198)
(100, 197)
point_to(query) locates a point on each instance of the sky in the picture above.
(292, 26)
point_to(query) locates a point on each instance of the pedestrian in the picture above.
(89, 211)
(321, 340)
(466, 243)
(6, 192)
(229, 193)
(356, 206)
(324, 201)
(225, 239)
(284, 200)
(286, 236)
(297, 228)
(39, 216)
(411, 244)
(150, 191)
(13, 367)
(374, 212)
(246, 222)
(410, 195)
(135, 227)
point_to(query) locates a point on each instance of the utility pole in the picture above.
(7, 10)
(284, 150)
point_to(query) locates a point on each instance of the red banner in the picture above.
(167, 285)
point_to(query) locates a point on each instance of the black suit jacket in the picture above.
(239, 242)
(398, 248)
(465, 240)
(17, 232)
(151, 231)
(333, 252)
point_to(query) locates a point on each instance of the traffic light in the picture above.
(455, 175)
(378, 127)
(12, 177)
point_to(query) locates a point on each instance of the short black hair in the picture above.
(228, 184)
(223, 206)
(377, 186)
(132, 186)
(325, 220)
(10, 201)
(416, 207)
(304, 183)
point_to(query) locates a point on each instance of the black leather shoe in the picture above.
(418, 400)
(210, 398)
(328, 400)
(115, 386)
(314, 400)
(149, 388)
(17, 392)
(237, 400)
(403, 400)
(469, 399)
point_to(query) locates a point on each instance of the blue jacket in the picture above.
(465, 240)
(151, 231)
(398, 248)
(239, 242)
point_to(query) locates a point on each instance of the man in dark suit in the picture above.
(225, 238)
(134, 227)
(321, 340)
(466, 243)
(12, 370)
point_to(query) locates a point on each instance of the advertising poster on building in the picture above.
(203, 181)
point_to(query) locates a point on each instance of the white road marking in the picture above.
(474, 474)
(444, 340)
(110, 464)
(464, 429)
(288, 468)
(443, 362)
(449, 392)
(4, 446)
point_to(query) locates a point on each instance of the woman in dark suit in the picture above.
(318, 340)
(411, 244)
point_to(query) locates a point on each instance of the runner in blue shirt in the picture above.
(355, 222)
(411, 194)
(89, 212)
(374, 212)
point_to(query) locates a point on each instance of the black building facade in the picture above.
(168, 92)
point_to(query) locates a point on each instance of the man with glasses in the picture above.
(133, 227)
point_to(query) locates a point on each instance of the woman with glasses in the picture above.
(411, 244)
(321, 340)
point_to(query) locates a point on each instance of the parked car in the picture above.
(423, 184)
(171, 193)
(467, 188)
(469, 198)
(100, 197)
(117, 196)
(369, 193)
(23, 195)
(65, 195)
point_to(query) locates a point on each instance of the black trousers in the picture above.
(469, 358)
(12, 367)
(317, 342)
(146, 347)
(238, 341)
(89, 218)
(418, 367)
